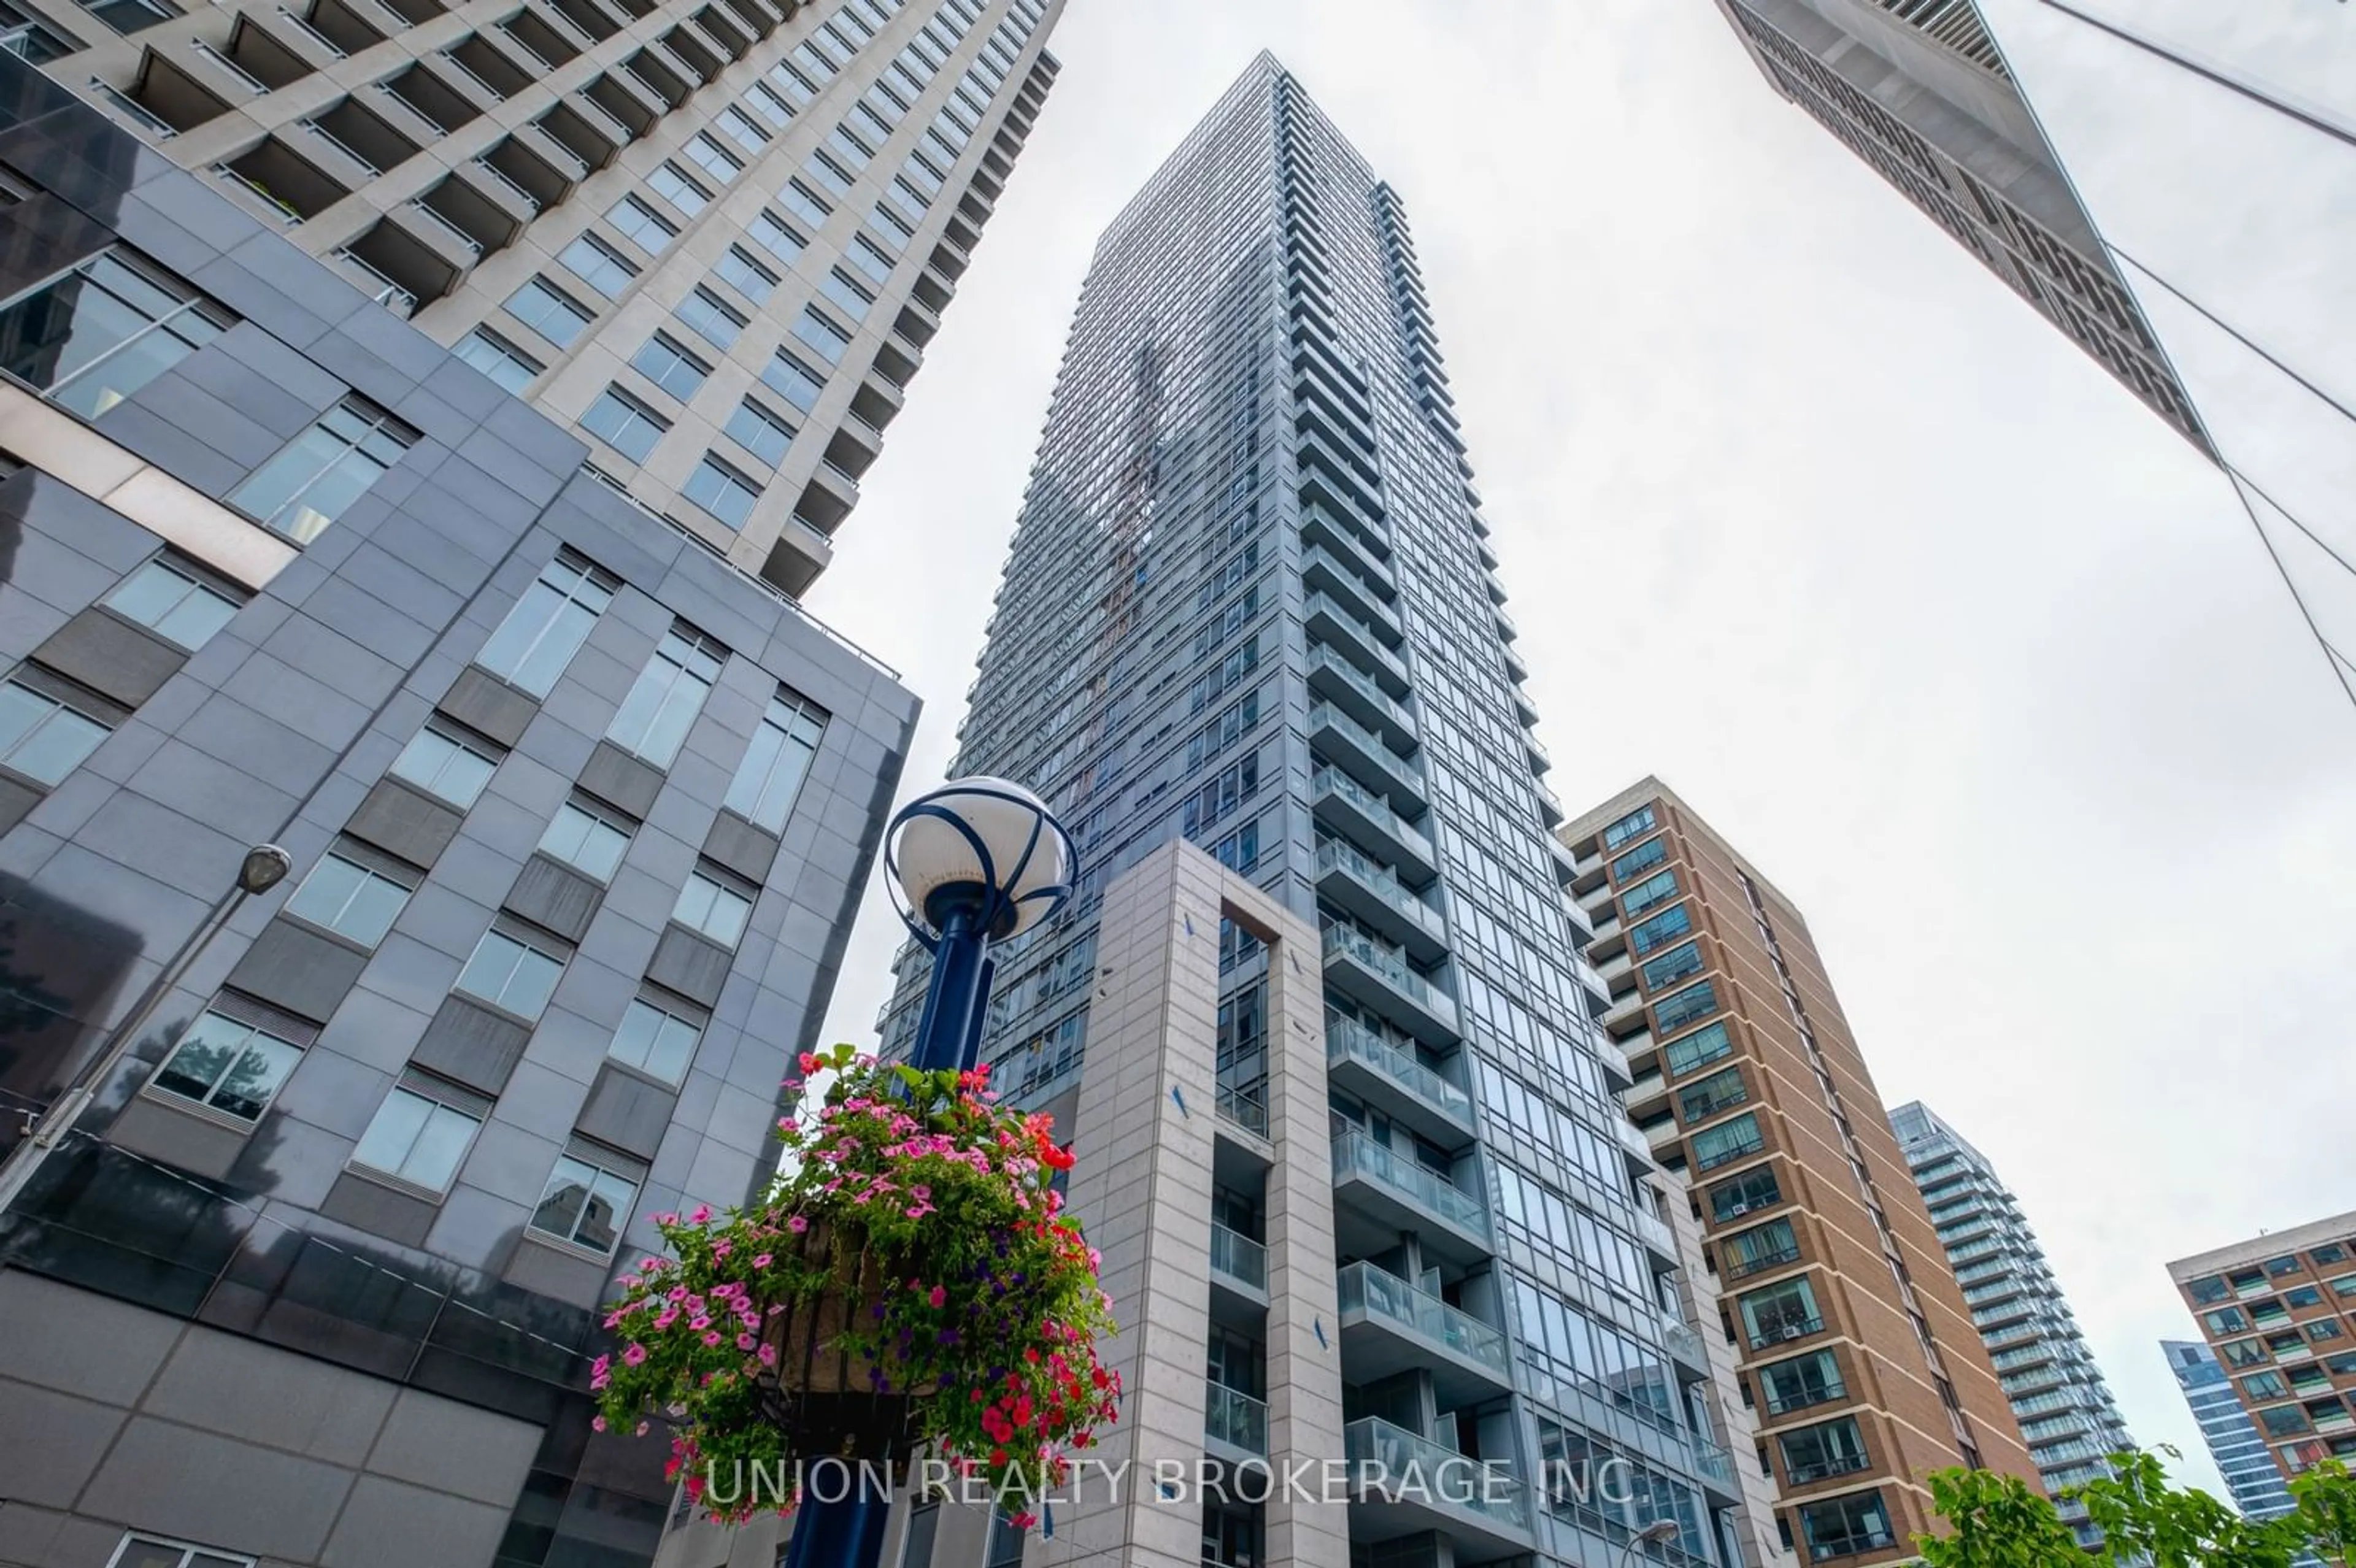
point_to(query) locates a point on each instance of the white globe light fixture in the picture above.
(981, 855)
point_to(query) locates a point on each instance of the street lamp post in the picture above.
(970, 864)
(264, 867)
(1656, 1533)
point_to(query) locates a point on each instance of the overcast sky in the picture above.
(1806, 512)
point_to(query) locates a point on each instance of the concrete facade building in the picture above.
(2228, 1429)
(2066, 1413)
(2276, 1312)
(577, 815)
(712, 237)
(1920, 91)
(1393, 1215)
(1855, 1343)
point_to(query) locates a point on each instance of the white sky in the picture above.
(1806, 512)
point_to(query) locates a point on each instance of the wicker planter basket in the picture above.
(830, 1403)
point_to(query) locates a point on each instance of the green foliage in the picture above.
(2001, 1521)
(914, 1236)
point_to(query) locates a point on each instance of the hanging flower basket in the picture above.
(910, 1281)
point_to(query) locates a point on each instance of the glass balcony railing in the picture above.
(1354, 1153)
(1368, 638)
(1390, 963)
(1333, 855)
(1345, 1038)
(1239, 1257)
(1376, 699)
(1246, 1111)
(1234, 1418)
(1684, 1344)
(1367, 1289)
(1408, 772)
(1656, 1233)
(1334, 781)
(1714, 1462)
(1395, 1459)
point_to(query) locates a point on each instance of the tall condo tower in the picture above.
(2042, 1361)
(1919, 91)
(1344, 1044)
(1855, 1343)
(712, 237)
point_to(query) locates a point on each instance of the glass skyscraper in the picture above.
(2067, 1415)
(1251, 604)
(2228, 1429)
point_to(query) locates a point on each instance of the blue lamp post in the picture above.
(970, 864)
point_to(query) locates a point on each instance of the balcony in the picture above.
(1360, 548)
(1744, 1268)
(627, 107)
(172, 95)
(1342, 805)
(426, 224)
(1373, 973)
(261, 56)
(1238, 1274)
(799, 554)
(1366, 756)
(1388, 1326)
(1716, 1467)
(395, 254)
(586, 136)
(375, 285)
(1364, 642)
(367, 140)
(1615, 1062)
(1378, 1193)
(1364, 594)
(482, 66)
(442, 108)
(1330, 513)
(829, 498)
(1686, 1345)
(517, 179)
(1389, 1079)
(1351, 880)
(589, 17)
(1234, 1424)
(1335, 677)
(288, 186)
(1408, 1484)
(1245, 1111)
(1541, 760)
(350, 27)
(1655, 1233)
(540, 38)
(1783, 1329)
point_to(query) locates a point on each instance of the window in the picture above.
(1815, 1453)
(1696, 1049)
(319, 473)
(2284, 1420)
(2303, 1295)
(922, 174)
(32, 42)
(831, 175)
(1650, 852)
(2322, 1329)
(1804, 1381)
(623, 423)
(908, 196)
(1730, 1140)
(94, 336)
(853, 299)
(847, 146)
(800, 383)
(1844, 1527)
(1694, 1002)
(2277, 1267)
(2264, 1385)
(706, 154)
(924, 1526)
(641, 224)
(673, 185)
(722, 491)
(2324, 1256)
(1673, 966)
(759, 432)
(888, 219)
(704, 313)
(663, 360)
(548, 311)
(654, 718)
(872, 258)
(656, 1037)
(1637, 821)
(154, 1551)
(599, 265)
(770, 777)
(806, 204)
(587, 838)
(1004, 1548)
(353, 893)
(447, 762)
(770, 104)
(422, 1132)
(512, 971)
(747, 276)
(1785, 1310)
(2226, 1320)
(2345, 1286)
(1706, 1097)
(2244, 1353)
(174, 601)
(1667, 926)
(44, 733)
(713, 906)
(2208, 1290)
(228, 1064)
(1760, 1248)
(549, 624)
(822, 334)
(1653, 890)
(795, 84)
(742, 131)
(507, 366)
(130, 16)
(586, 1203)
(775, 238)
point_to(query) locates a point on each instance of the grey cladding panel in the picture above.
(379, 1209)
(620, 779)
(112, 656)
(298, 969)
(472, 1045)
(489, 706)
(16, 799)
(556, 897)
(180, 1138)
(627, 1111)
(404, 822)
(745, 850)
(688, 964)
